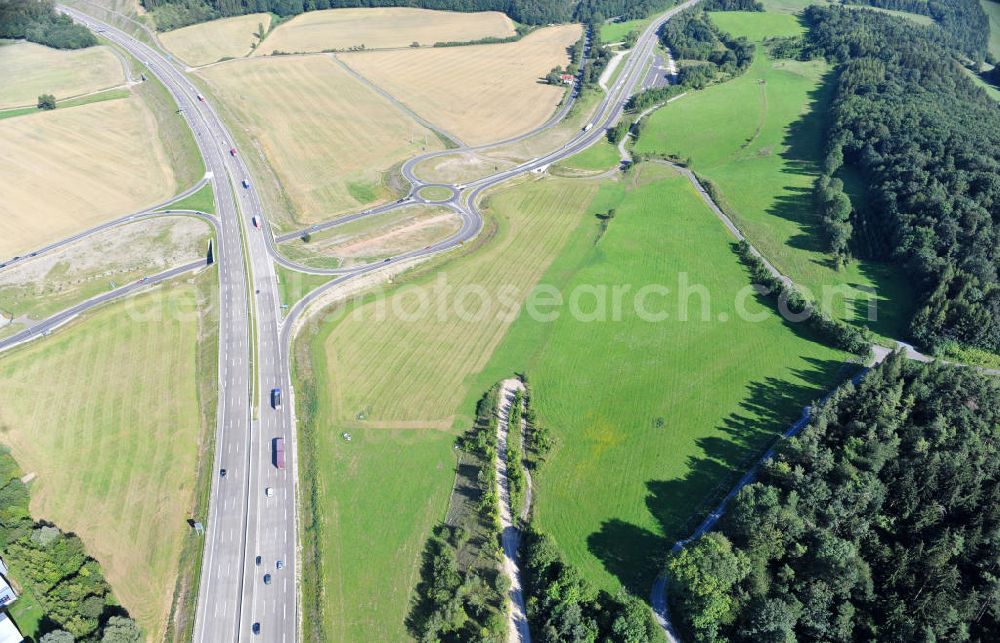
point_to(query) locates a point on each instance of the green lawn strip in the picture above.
(173, 131)
(598, 157)
(652, 420)
(992, 90)
(110, 94)
(203, 201)
(27, 613)
(251, 309)
(992, 9)
(616, 31)
(435, 193)
(294, 285)
(758, 139)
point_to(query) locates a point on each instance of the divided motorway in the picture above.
(243, 522)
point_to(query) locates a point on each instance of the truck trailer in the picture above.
(279, 452)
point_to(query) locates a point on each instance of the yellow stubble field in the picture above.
(211, 41)
(330, 139)
(67, 170)
(30, 70)
(381, 28)
(480, 93)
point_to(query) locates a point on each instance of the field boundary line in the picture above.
(397, 103)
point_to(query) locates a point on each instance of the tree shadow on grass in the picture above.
(803, 153)
(635, 555)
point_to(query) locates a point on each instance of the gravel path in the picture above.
(517, 620)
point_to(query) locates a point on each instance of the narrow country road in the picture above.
(517, 619)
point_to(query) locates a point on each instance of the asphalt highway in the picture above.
(243, 521)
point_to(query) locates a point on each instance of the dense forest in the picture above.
(964, 20)
(68, 584)
(691, 35)
(171, 14)
(461, 592)
(563, 606)
(38, 21)
(880, 521)
(925, 142)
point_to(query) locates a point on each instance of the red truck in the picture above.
(279, 453)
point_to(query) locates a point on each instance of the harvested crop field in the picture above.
(376, 237)
(66, 170)
(383, 28)
(30, 70)
(481, 93)
(329, 138)
(117, 463)
(209, 42)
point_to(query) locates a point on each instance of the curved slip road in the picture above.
(46, 326)
(128, 218)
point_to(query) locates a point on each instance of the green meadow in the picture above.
(652, 418)
(759, 139)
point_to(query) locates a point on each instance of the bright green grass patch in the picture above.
(363, 192)
(391, 488)
(993, 11)
(789, 6)
(653, 418)
(759, 138)
(616, 31)
(378, 495)
(203, 201)
(598, 157)
(991, 90)
(435, 193)
(294, 285)
(111, 94)
(756, 26)
(27, 614)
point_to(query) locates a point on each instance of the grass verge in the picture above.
(203, 201)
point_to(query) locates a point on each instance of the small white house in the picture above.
(8, 631)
